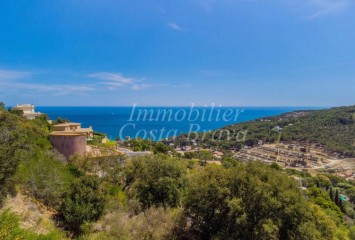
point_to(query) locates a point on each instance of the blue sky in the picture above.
(228, 52)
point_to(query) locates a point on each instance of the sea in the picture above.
(157, 123)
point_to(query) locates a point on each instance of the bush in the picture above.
(153, 224)
(252, 201)
(45, 178)
(352, 233)
(156, 180)
(83, 203)
(19, 139)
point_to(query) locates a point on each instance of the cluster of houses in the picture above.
(287, 154)
(67, 138)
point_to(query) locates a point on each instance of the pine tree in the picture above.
(337, 199)
(339, 202)
(331, 195)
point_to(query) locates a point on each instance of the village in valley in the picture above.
(303, 157)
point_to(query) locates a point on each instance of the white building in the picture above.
(28, 110)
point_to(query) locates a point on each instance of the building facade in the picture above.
(28, 110)
(73, 128)
(68, 143)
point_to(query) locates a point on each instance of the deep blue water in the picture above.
(119, 122)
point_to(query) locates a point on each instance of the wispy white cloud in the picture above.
(311, 9)
(9, 74)
(24, 82)
(116, 80)
(55, 89)
(11, 80)
(327, 7)
(140, 86)
(175, 26)
(51, 89)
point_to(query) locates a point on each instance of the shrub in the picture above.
(19, 139)
(45, 178)
(252, 201)
(83, 203)
(156, 180)
(153, 224)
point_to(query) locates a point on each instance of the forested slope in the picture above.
(159, 196)
(333, 128)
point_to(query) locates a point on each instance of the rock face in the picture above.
(69, 144)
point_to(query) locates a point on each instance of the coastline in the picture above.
(110, 120)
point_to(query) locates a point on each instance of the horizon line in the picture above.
(176, 106)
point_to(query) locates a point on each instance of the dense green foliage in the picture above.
(19, 140)
(252, 202)
(333, 128)
(45, 178)
(156, 181)
(147, 145)
(83, 203)
(61, 120)
(203, 155)
(97, 138)
(158, 196)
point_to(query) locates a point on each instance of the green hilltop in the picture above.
(332, 128)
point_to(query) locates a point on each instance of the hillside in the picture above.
(333, 128)
(160, 196)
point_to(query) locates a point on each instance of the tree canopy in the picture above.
(156, 181)
(252, 201)
(333, 128)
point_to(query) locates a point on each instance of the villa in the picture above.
(28, 110)
(70, 138)
(73, 128)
